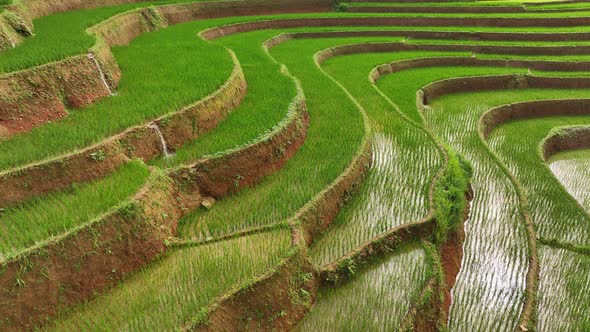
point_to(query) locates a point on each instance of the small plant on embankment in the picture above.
(449, 196)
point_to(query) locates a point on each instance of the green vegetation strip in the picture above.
(334, 118)
(564, 281)
(62, 35)
(38, 220)
(151, 87)
(140, 97)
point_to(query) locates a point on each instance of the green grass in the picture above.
(42, 218)
(151, 86)
(265, 105)
(62, 35)
(168, 294)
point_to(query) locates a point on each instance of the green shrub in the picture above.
(449, 196)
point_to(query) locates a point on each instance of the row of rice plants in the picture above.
(152, 85)
(396, 191)
(39, 219)
(564, 284)
(377, 299)
(170, 292)
(269, 94)
(572, 169)
(150, 60)
(334, 135)
(405, 161)
(557, 216)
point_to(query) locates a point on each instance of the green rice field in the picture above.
(342, 165)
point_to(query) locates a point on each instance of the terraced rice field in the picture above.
(305, 165)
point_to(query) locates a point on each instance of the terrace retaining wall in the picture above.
(123, 28)
(32, 98)
(141, 142)
(566, 139)
(340, 271)
(393, 21)
(450, 35)
(233, 170)
(498, 82)
(394, 67)
(317, 216)
(134, 234)
(437, 9)
(42, 94)
(73, 267)
(276, 301)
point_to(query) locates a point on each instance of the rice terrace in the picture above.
(294, 165)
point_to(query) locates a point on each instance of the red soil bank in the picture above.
(71, 269)
(485, 83)
(450, 35)
(435, 9)
(398, 66)
(338, 271)
(34, 97)
(567, 139)
(74, 267)
(277, 301)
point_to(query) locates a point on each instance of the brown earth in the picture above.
(451, 35)
(34, 97)
(567, 140)
(536, 109)
(317, 216)
(398, 66)
(451, 254)
(338, 272)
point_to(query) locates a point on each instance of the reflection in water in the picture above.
(574, 174)
(490, 287)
